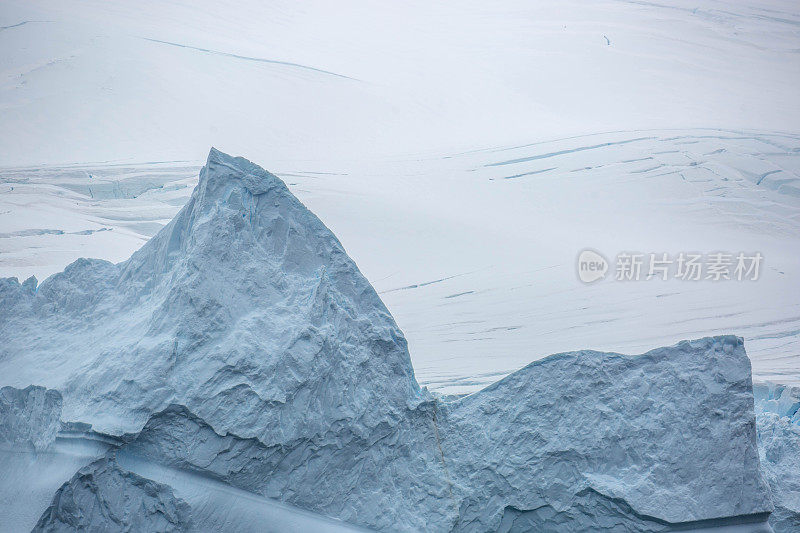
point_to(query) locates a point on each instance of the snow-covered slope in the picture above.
(96, 80)
(242, 345)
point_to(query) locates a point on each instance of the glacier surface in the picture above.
(242, 346)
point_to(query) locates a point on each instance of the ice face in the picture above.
(29, 417)
(778, 424)
(104, 497)
(633, 442)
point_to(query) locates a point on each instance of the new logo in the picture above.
(591, 266)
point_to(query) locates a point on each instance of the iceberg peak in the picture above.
(221, 168)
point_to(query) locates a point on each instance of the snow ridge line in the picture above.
(249, 58)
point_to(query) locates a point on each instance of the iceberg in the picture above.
(243, 347)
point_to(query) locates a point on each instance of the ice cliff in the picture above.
(29, 417)
(778, 419)
(242, 346)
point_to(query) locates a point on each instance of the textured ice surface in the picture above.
(217, 506)
(389, 477)
(30, 416)
(778, 422)
(781, 400)
(592, 440)
(30, 478)
(243, 346)
(104, 497)
(577, 441)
